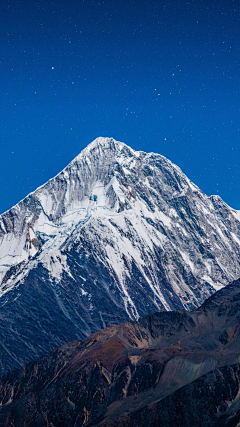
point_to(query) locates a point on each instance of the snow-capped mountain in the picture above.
(116, 234)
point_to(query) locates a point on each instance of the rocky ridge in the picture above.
(171, 368)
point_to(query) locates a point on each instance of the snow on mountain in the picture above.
(116, 234)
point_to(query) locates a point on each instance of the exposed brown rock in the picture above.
(155, 372)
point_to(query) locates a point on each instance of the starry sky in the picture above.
(160, 76)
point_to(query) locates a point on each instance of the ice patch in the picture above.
(236, 214)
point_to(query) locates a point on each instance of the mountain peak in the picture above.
(104, 143)
(105, 146)
(116, 234)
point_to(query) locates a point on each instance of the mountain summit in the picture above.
(117, 234)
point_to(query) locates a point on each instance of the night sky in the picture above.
(160, 76)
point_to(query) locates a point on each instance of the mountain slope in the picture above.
(115, 235)
(212, 400)
(171, 368)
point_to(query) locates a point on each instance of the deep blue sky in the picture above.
(158, 75)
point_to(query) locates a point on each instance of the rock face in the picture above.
(115, 235)
(212, 400)
(171, 368)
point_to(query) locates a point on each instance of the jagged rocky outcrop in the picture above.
(212, 400)
(171, 368)
(117, 234)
